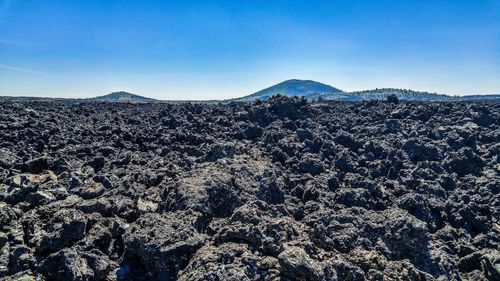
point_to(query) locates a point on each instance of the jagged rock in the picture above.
(69, 264)
(392, 99)
(297, 265)
(163, 243)
(251, 223)
(292, 108)
(253, 132)
(311, 165)
(421, 152)
(21, 258)
(464, 162)
(21, 186)
(38, 165)
(219, 151)
(66, 227)
(91, 189)
(8, 158)
(229, 261)
(272, 191)
(97, 163)
(279, 189)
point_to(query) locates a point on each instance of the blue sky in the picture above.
(221, 49)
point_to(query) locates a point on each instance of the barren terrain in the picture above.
(275, 190)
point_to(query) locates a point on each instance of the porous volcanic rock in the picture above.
(280, 189)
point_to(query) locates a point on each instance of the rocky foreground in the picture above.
(276, 190)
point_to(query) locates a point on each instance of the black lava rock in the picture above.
(280, 189)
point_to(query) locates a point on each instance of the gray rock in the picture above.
(163, 243)
(63, 230)
(297, 265)
(69, 264)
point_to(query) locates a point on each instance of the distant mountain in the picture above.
(123, 97)
(314, 91)
(307, 88)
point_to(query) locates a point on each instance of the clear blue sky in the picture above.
(221, 49)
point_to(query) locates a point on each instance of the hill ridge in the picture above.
(122, 96)
(292, 87)
(313, 91)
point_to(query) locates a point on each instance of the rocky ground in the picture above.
(277, 190)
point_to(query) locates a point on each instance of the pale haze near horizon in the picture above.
(226, 49)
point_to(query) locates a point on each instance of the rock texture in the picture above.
(274, 190)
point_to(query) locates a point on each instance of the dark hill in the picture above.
(307, 88)
(122, 97)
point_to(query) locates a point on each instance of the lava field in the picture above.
(274, 190)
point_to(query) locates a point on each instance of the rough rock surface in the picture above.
(275, 190)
